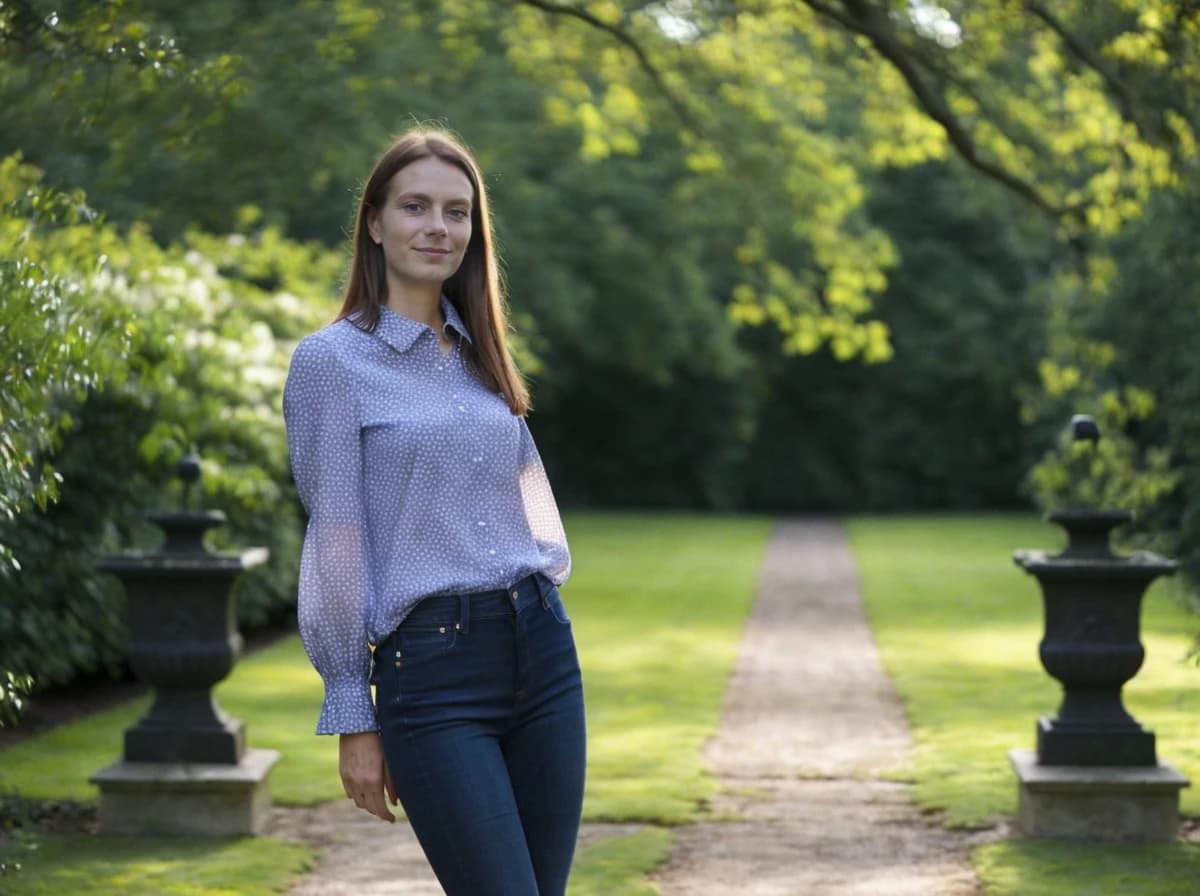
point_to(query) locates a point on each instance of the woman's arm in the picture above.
(541, 510)
(321, 413)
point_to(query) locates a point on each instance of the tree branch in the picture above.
(1088, 55)
(36, 31)
(1005, 125)
(861, 17)
(629, 42)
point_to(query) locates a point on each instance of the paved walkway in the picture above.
(810, 727)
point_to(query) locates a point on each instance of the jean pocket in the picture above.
(556, 607)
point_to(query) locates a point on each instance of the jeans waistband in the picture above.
(460, 610)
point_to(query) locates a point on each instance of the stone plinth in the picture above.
(186, 799)
(1111, 803)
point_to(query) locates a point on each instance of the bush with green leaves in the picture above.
(1122, 330)
(1108, 473)
(146, 353)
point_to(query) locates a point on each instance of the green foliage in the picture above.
(939, 424)
(1105, 474)
(1123, 349)
(54, 348)
(641, 229)
(258, 81)
(144, 353)
(775, 190)
(14, 690)
(1151, 319)
(704, 214)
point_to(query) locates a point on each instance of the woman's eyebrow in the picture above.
(425, 197)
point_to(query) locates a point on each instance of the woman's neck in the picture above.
(419, 305)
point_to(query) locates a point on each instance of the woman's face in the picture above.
(424, 225)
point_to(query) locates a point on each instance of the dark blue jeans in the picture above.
(480, 708)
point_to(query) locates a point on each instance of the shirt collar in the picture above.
(453, 320)
(401, 332)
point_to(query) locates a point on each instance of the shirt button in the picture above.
(462, 407)
(491, 550)
(481, 523)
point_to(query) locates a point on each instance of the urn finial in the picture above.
(188, 471)
(1085, 428)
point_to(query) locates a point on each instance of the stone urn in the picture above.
(185, 768)
(1091, 643)
(1095, 774)
(183, 640)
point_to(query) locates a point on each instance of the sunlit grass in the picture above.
(165, 867)
(274, 691)
(658, 604)
(958, 626)
(1042, 868)
(616, 866)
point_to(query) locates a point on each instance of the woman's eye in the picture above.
(414, 207)
(458, 214)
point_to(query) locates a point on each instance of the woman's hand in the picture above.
(365, 774)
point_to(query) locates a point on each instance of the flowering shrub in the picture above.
(118, 357)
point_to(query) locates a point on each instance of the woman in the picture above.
(433, 535)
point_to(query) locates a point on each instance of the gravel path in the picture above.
(811, 726)
(363, 856)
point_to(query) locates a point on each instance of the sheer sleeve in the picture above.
(541, 511)
(321, 415)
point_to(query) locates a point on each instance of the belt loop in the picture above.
(543, 593)
(464, 613)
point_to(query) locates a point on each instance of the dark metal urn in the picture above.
(1091, 645)
(183, 638)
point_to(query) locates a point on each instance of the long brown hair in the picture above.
(475, 289)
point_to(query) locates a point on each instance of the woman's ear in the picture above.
(373, 227)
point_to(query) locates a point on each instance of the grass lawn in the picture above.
(617, 866)
(52, 866)
(958, 626)
(274, 691)
(657, 603)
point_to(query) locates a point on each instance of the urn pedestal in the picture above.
(185, 768)
(1096, 774)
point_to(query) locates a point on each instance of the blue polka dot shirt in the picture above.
(417, 479)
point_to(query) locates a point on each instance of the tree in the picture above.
(1082, 110)
(1085, 111)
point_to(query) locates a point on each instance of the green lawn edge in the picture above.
(617, 866)
(957, 625)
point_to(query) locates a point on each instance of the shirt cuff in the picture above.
(347, 709)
